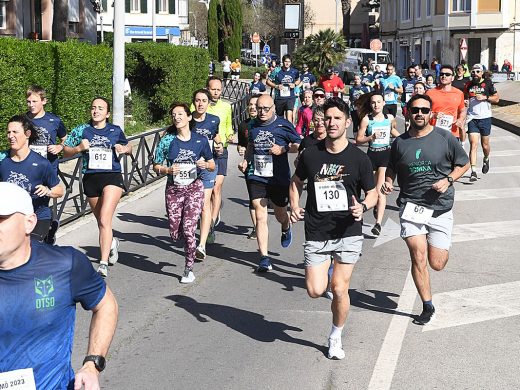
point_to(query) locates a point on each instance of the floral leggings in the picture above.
(184, 206)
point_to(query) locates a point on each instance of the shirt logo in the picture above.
(20, 180)
(43, 289)
(418, 153)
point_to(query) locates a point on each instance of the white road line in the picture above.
(497, 193)
(505, 138)
(485, 230)
(504, 153)
(510, 169)
(384, 368)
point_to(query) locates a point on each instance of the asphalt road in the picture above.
(234, 329)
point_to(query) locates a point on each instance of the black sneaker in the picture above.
(374, 211)
(51, 235)
(376, 230)
(252, 235)
(427, 314)
(485, 166)
(473, 176)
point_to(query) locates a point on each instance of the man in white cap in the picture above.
(40, 285)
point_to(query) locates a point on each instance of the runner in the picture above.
(29, 170)
(40, 286)
(427, 161)
(100, 143)
(332, 84)
(419, 88)
(460, 80)
(376, 128)
(336, 172)
(268, 174)
(226, 67)
(430, 82)
(449, 110)
(392, 86)
(256, 85)
(408, 88)
(236, 67)
(308, 80)
(481, 93)
(378, 73)
(187, 154)
(318, 98)
(206, 125)
(354, 92)
(303, 126)
(367, 79)
(224, 111)
(283, 82)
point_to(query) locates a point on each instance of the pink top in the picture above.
(304, 120)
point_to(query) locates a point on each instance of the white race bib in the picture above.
(40, 149)
(18, 380)
(389, 96)
(331, 196)
(255, 90)
(417, 214)
(445, 122)
(186, 175)
(100, 158)
(285, 91)
(383, 135)
(264, 165)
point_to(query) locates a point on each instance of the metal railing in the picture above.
(137, 168)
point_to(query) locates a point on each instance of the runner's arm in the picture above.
(295, 191)
(361, 137)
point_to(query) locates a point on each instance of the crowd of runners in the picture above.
(302, 114)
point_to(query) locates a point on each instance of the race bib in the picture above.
(186, 175)
(416, 214)
(18, 380)
(331, 196)
(285, 91)
(255, 90)
(445, 122)
(40, 149)
(264, 165)
(210, 141)
(382, 135)
(390, 96)
(306, 86)
(100, 158)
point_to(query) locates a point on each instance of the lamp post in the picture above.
(336, 29)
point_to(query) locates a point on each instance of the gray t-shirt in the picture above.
(420, 162)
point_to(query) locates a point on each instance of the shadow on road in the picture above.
(249, 324)
(144, 220)
(380, 302)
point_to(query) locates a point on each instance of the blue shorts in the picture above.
(221, 163)
(208, 178)
(482, 126)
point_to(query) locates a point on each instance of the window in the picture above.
(162, 6)
(439, 7)
(428, 8)
(135, 6)
(461, 5)
(418, 9)
(3, 22)
(405, 10)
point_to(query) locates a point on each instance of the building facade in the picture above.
(417, 30)
(32, 19)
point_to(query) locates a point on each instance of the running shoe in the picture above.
(426, 315)
(51, 235)
(114, 254)
(200, 254)
(211, 235)
(329, 294)
(286, 238)
(103, 269)
(336, 349)
(374, 211)
(252, 235)
(188, 277)
(473, 176)
(376, 230)
(217, 221)
(485, 166)
(264, 265)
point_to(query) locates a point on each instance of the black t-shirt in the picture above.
(243, 132)
(460, 84)
(353, 169)
(308, 141)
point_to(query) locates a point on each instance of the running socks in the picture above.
(428, 303)
(335, 332)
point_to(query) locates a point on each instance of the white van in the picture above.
(354, 58)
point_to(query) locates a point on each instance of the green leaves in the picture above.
(321, 50)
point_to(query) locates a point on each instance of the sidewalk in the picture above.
(508, 117)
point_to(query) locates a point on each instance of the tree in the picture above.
(213, 30)
(198, 20)
(60, 20)
(267, 22)
(346, 7)
(231, 26)
(321, 50)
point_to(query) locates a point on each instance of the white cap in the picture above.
(14, 199)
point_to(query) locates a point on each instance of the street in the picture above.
(235, 329)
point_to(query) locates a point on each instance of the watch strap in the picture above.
(98, 360)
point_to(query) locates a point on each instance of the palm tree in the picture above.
(321, 50)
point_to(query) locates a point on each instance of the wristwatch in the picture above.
(99, 361)
(365, 208)
(450, 180)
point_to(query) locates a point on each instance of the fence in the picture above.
(136, 168)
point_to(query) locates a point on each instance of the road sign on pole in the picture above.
(463, 48)
(255, 38)
(267, 49)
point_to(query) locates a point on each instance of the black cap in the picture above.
(319, 90)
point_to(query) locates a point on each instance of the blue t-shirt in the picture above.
(307, 78)
(408, 86)
(255, 88)
(38, 309)
(384, 127)
(366, 78)
(286, 77)
(262, 137)
(34, 170)
(390, 95)
(354, 93)
(207, 128)
(104, 138)
(48, 128)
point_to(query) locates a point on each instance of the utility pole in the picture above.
(154, 24)
(118, 78)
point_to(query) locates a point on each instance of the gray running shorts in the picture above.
(438, 230)
(344, 250)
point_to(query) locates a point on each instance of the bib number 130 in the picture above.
(331, 196)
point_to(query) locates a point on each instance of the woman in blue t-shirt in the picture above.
(186, 154)
(376, 128)
(27, 169)
(101, 143)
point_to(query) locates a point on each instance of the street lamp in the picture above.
(336, 29)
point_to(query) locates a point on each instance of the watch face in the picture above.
(101, 363)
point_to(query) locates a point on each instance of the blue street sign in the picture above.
(264, 60)
(267, 49)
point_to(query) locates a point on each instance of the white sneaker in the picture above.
(200, 254)
(336, 349)
(103, 269)
(188, 276)
(329, 294)
(114, 254)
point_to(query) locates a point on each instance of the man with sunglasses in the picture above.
(460, 80)
(268, 175)
(427, 161)
(392, 86)
(367, 79)
(318, 98)
(449, 110)
(408, 88)
(481, 93)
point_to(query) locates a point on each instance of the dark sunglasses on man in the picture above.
(423, 110)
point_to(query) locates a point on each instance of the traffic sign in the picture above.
(463, 48)
(255, 48)
(267, 49)
(255, 38)
(376, 45)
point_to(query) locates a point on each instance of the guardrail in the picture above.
(136, 168)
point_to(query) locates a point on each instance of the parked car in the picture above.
(354, 58)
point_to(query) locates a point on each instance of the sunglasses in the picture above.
(475, 71)
(319, 95)
(445, 74)
(423, 110)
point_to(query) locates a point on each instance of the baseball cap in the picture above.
(14, 200)
(330, 70)
(319, 91)
(478, 67)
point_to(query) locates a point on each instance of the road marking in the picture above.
(510, 169)
(505, 138)
(389, 353)
(472, 305)
(391, 230)
(505, 153)
(497, 193)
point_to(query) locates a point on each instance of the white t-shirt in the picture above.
(226, 66)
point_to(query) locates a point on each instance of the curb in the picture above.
(506, 125)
